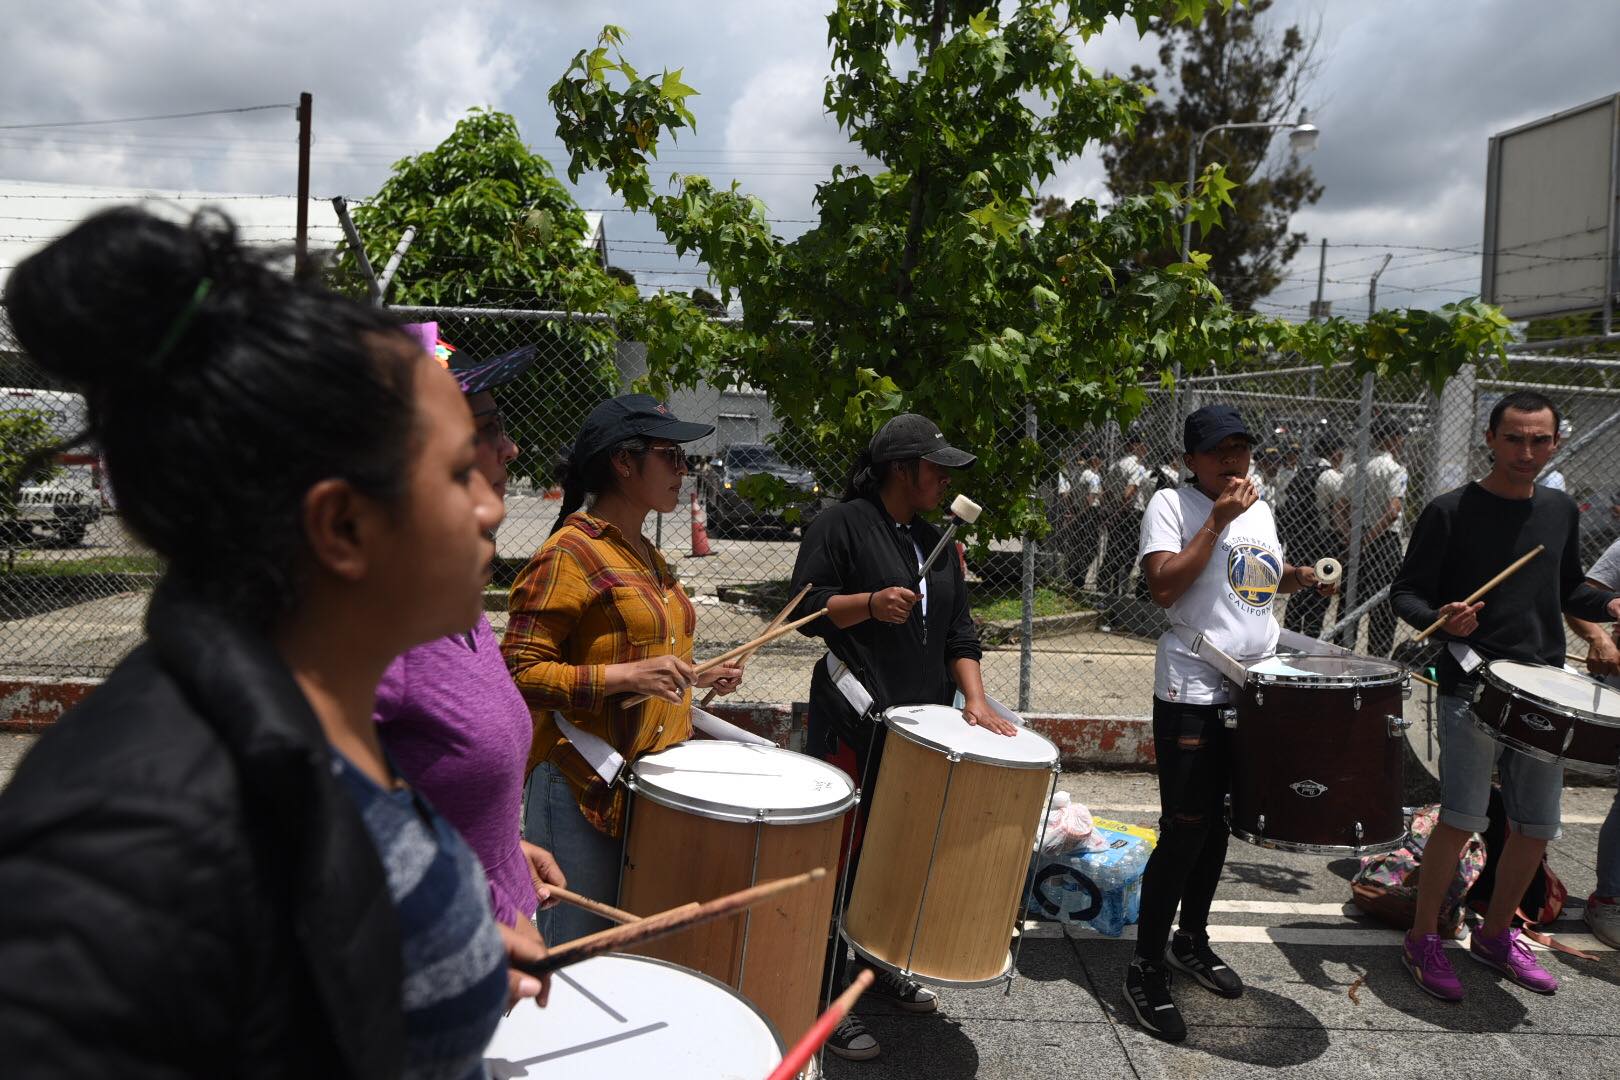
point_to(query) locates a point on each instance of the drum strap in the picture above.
(606, 761)
(859, 698)
(1466, 658)
(1550, 942)
(716, 728)
(1293, 639)
(1194, 640)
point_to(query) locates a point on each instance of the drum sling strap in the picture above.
(606, 761)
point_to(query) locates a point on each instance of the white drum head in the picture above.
(1555, 686)
(1332, 667)
(633, 1016)
(732, 781)
(943, 728)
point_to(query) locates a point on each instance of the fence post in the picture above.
(1358, 497)
(1026, 643)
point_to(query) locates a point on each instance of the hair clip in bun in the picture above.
(182, 321)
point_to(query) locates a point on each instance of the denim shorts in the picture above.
(1531, 789)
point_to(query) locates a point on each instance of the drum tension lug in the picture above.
(1397, 725)
(1355, 702)
(1358, 834)
(1229, 717)
(1259, 696)
(1260, 825)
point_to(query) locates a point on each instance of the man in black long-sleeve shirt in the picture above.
(1462, 540)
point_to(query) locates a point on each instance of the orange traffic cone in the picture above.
(700, 527)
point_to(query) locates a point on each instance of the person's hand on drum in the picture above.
(525, 948)
(724, 679)
(978, 713)
(1238, 496)
(545, 871)
(893, 605)
(1603, 656)
(666, 677)
(1460, 619)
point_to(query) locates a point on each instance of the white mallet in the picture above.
(1328, 570)
(963, 509)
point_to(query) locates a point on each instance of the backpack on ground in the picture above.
(1386, 886)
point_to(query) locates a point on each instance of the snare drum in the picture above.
(634, 1016)
(1319, 755)
(709, 818)
(946, 851)
(1550, 714)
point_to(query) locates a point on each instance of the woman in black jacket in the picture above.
(187, 887)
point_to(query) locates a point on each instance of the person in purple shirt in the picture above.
(451, 720)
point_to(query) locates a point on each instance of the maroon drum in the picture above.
(1552, 714)
(1319, 755)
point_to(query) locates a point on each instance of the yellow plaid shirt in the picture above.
(584, 601)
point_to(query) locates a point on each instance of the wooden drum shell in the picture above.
(674, 856)
(973, 876)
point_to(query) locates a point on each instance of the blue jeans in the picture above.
(1608, 859)
(589, 858)
(1532, 790)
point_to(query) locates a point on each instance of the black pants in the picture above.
(1194, 763)
(1083, 539)
(866, 756)
(1380, 562)
(1124, 535)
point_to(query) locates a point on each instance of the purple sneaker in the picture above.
(1513, 958)
(1426, 959)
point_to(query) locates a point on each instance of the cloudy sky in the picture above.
(1406, 97)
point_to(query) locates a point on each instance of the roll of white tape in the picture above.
(1328, 571)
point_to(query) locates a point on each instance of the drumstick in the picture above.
(802, 1050)
(1488, 586)
(746, 647)
(781, 617)
(595, 907)
(653, 927)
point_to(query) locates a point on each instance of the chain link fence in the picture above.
(1067, 624)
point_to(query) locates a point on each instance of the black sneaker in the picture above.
(851, 1041)
(1194, 956)
(1147, 991)
(905, 994)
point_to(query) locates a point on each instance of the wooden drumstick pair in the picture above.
(744, 649)
(662, 924)
(777, 621)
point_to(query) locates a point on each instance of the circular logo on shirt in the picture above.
(1253, 573)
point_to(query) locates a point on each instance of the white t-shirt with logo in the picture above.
(1230, 602)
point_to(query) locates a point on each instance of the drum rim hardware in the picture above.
(717, 811)
(1298, 848)
(1588, 768)
(958, 754)
(1573, 712)
(1329, 682)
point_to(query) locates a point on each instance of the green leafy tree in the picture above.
(925, 284)
(24, 436)
(496, 228)
(1228, 66)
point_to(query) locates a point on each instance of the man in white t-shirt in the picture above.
(1384, 530)
(1125, 493)
(1210, 553)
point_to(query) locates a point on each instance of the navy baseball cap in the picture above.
(910, 436)
(1204, 429)
(633, 416)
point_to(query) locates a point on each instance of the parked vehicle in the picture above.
(65, 504)
(723, 483)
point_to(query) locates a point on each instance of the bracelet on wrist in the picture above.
(870, 614)
(1212, 532)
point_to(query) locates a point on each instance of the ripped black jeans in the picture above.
(1194, 764)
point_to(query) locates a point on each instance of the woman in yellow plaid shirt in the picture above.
(596, 616)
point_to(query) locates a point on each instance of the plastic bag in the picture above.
(1069, 827)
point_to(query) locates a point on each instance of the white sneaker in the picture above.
(1603, 916)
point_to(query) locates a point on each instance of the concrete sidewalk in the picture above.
(1326, 996)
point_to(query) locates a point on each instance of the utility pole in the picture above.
(306, 105)
(1372, 286)
(1319, 310)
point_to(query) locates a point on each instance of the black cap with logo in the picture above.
(633, 416)
(910, 436)
(1204, 429)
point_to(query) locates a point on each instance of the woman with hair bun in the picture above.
(190, 880)
(597, 614)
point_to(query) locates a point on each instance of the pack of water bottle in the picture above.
(1098, 886)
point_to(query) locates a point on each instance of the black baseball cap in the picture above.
(633, 416)
(1204, 429)
(910, 436)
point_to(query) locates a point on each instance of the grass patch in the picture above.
(1003, 604)
(95, 564)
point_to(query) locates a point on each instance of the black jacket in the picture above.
(856, 547)
(184, 888)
